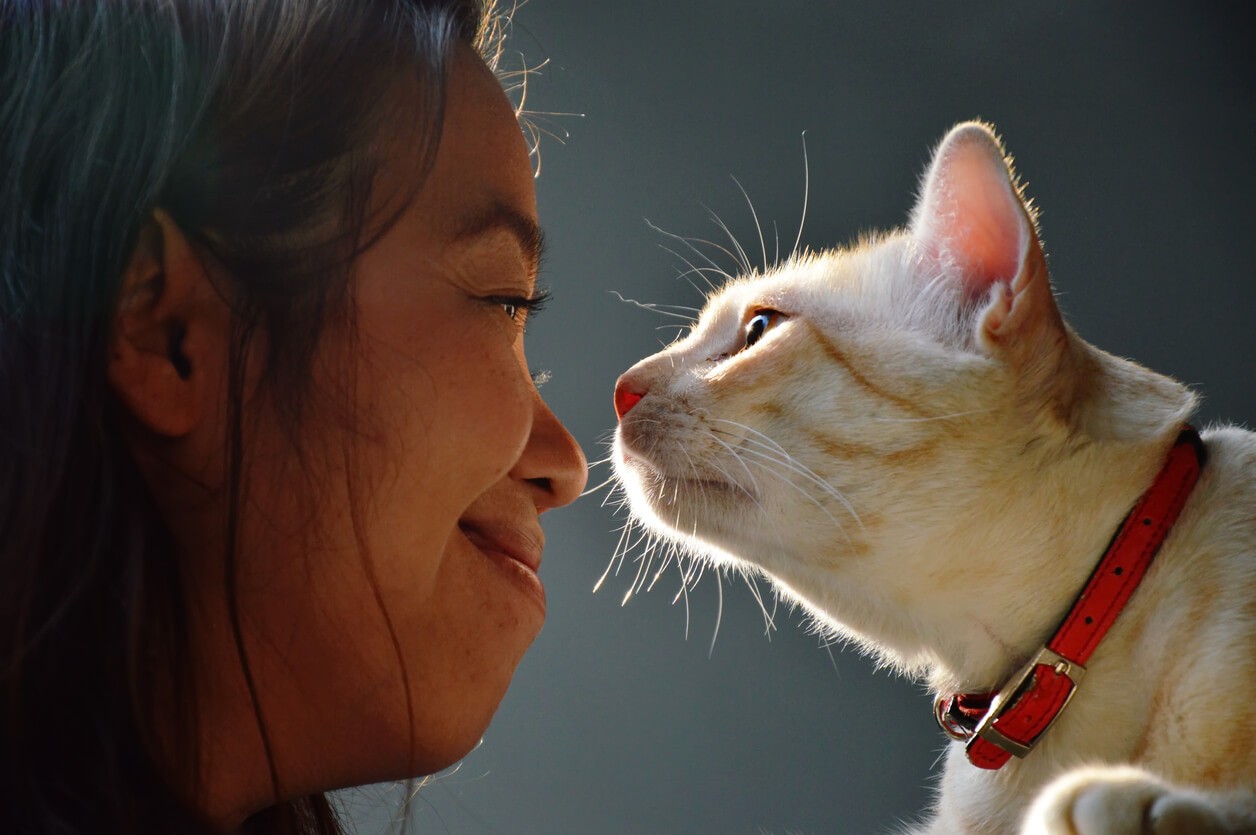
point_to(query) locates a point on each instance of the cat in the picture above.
(910, 442)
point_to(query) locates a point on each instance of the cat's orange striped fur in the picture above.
(907, 437)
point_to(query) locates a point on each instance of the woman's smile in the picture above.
(513, 546)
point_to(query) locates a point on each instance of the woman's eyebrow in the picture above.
(501, 216)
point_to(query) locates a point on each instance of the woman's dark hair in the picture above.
(258, 127)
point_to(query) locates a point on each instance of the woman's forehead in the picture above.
(482, 166)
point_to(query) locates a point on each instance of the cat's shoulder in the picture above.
(1220, 519)
(1231, 463)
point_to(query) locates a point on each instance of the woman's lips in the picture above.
(521, 545)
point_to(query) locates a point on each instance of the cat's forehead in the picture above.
(846, 280)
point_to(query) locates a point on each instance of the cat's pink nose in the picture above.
(627, 395)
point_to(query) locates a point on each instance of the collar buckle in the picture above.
(1048, 678)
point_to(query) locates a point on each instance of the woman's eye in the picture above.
(517, 306)
(759, 325)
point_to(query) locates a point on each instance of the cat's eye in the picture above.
(760, 323)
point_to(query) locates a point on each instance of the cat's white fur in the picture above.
(924, 456)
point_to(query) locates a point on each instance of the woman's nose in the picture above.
(628, 393)
(552, 460)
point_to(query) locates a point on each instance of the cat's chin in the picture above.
(683, 505)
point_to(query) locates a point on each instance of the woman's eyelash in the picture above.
(529, 305)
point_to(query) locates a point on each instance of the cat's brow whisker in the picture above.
(806, 195)
(656, 308)
(757, 225)
(701, 271)
(743, 259)
(689, 243)
(694, 269)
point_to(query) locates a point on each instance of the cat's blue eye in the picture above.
(759, 325)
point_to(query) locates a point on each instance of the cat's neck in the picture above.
(1019, 576)
(966, 590)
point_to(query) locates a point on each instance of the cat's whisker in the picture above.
(757, 226)
(772, 446)
(694, 269)
(689, 243)
(597, 586)
(757, 489)
(767, 517)
(719, 612)
(766, 440)
(742, 258)
(930, 418)
(623, 499)
(792, 463)
(763, 463)
(643, 567)
(609, 459)
(684, 592)
(701, 272)
(806, 195)
(663, 566)
(753, 583)
(655, 308)
(700, 566)
(616, 555)
(593, 490)
(644, 536)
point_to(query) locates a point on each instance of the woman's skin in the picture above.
(451, 454)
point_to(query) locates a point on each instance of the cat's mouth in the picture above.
(664, 488)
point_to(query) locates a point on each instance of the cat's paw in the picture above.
(1122, 800)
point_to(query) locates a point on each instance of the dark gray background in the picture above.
(1135, 132)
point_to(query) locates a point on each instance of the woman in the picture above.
(271, 462)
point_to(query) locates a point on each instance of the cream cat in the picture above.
(908, 439)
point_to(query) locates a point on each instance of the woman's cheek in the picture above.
(495, 413)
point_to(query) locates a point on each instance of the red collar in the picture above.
(1011, 721)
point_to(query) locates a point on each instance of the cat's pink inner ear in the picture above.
(969, 213)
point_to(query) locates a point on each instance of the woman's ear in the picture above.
(169, 340)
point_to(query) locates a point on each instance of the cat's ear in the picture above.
(971, 220)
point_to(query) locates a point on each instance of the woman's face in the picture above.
(451, 457)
